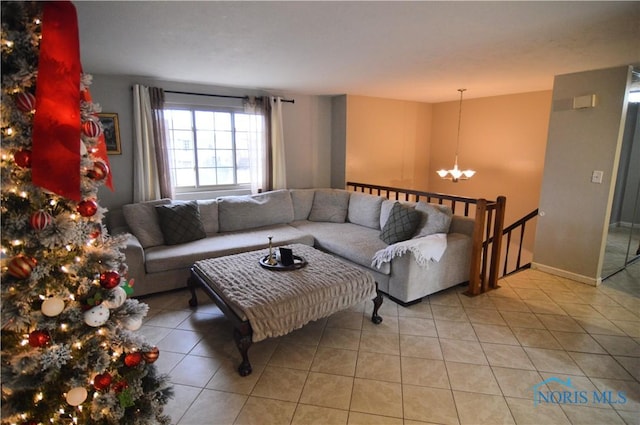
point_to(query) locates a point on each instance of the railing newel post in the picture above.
(496, 248)
(475, 279)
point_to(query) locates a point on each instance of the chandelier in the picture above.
(455, 173)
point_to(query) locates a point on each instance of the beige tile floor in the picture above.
(448, 360)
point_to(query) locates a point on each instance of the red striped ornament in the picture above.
(39, 220)
(151, 355)
(21, 266)
(91, 128)
(25, 101)
(99, 171)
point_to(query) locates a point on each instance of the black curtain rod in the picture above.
(220, 95)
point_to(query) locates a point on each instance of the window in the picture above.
(209, 148)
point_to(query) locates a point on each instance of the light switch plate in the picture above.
(596, 176)
(582, 102)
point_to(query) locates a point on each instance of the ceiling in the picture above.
(422, 50)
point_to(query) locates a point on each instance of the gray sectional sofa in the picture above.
(165, 238)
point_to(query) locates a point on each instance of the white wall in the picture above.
(339, 141)
(307, 132)
(574, 213)
(307, 138)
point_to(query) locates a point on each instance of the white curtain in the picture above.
(146, 186)
(257, 144)
(277, 145)
(152, 174)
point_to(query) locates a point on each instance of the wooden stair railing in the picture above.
(518, 227)
(489, 221)
(490, 217)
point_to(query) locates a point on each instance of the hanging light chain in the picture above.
(455, 174)
(459, 122)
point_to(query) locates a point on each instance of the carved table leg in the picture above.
(243, 341)
(193, 302)
(377, 302)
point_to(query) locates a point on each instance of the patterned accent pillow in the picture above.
(180, 222)
(401, 225)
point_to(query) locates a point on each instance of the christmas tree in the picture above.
(70, 353)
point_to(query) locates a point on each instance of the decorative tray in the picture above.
(298, 263)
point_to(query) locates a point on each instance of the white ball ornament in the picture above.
(76, 396)
(132, 324)
(116, 298)
(96, 316)
(83, 148)
(53, 306)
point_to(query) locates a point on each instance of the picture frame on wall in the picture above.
(111, 130)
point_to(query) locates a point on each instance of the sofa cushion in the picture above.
(385, 209)
(364, 209)
(435, 218)
(142, 220)
(302, 202)
(401, 225)
(209, 215)
(163, 258)
(353, 242)
(461, 224)
(251, 211)
(330, 205)
(180, 222)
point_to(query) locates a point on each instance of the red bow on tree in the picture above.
(56, 124)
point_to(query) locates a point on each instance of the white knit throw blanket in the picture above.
(424, 249)
(277, 302)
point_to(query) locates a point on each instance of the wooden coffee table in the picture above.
(263, 303)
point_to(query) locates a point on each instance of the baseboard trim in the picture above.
(569, 275)
(625, 224)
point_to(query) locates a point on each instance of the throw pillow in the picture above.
(385, 210)
(180, 222)
(364, 209)
(435, 218)
(208, 209)
(401, 225)
(142, 221)
(330, 205)
(251, 211)
(302, 203)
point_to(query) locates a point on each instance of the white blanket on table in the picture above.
(278, 302)
(424, 249)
